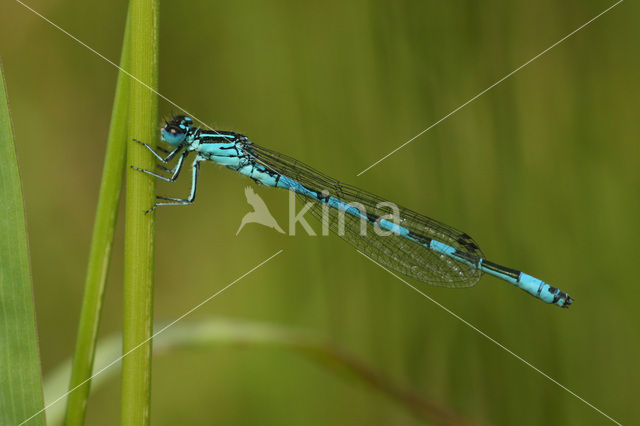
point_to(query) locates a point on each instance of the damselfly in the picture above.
(407, 242)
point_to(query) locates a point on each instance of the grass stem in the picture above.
(139, 227)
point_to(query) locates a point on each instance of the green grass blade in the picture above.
(139, 228)
(20, 375)
(101, 244)
(253, 335)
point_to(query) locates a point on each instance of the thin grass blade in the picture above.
(101, 244)
(20, 375)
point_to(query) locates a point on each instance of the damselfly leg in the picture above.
(195, 171)
(158, 156)
(175, 170)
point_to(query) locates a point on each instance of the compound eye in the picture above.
(173, 135)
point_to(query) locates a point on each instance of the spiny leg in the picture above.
(175, 170)
(195, 170)
(166, 169)
(158, 156)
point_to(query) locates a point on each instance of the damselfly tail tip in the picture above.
(566, 299)
(560, 298)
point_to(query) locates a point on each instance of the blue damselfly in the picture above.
(405, 241)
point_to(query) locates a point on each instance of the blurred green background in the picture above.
(543, 171)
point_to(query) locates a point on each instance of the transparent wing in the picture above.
(396, 252)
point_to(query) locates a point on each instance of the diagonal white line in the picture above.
(77, 40)
(500, 345)
(492, 86)
(152, 336)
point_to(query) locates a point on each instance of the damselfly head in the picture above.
(174, 131)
